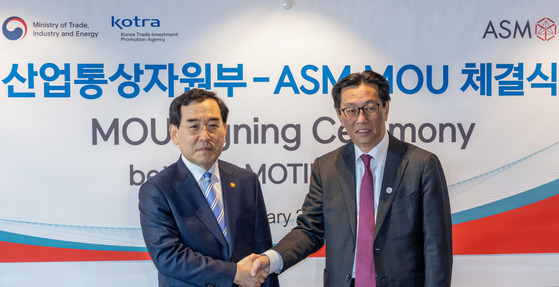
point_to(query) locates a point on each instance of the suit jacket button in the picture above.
(348, 277)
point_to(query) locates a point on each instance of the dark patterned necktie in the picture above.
(364, 264)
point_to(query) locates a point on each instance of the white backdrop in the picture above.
(86, 87)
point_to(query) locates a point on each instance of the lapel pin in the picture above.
(389, 190)
(232, 184)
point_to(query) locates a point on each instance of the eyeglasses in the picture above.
(353, 112)
(196, 128)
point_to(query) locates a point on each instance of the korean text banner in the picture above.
(86, 85)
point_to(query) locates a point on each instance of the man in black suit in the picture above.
(202, 218)
(410, 231)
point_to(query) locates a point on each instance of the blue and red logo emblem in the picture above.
(17, 29)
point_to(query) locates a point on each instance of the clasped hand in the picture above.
(250, 271)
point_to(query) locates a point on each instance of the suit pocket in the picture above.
(245, 223)
(245, 216)
(404, 201)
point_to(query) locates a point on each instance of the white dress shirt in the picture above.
(378, 162)
(198, 174)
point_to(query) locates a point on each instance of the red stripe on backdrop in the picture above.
(320, 253)
(533, 228)
(15, 252)
(522, 230)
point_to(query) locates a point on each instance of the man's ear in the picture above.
(386, 109)
(173, 131)
(339, 114)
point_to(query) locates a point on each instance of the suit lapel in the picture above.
(346, 180)
(393, 172)
(187, 187)
(228, 183)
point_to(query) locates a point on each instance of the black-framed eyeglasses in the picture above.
(368, 109)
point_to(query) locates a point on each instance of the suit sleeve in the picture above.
(308, 236)
(437, 228)
(263, 236)
(171, 257)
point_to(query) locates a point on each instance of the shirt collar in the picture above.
(378, 152)
(198, 172)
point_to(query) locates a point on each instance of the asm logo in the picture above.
(545, 30)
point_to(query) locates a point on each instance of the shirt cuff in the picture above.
(276, 262)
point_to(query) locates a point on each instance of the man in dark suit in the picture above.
(410, 234)
(194, 241)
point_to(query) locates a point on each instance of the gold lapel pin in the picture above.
(232, 184)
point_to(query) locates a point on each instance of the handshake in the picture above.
(252, 270)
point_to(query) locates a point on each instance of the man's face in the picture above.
(366, 131)
(201, 133)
